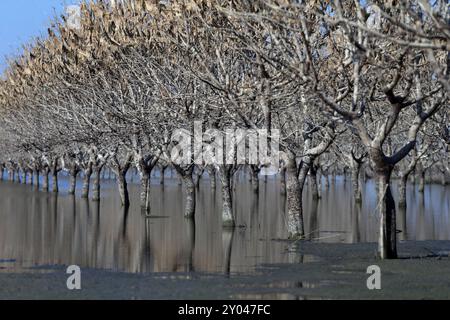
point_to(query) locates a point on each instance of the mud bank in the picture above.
(338, 271)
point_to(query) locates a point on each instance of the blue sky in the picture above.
(22, 20)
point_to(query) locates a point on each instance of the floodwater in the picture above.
(43, 229)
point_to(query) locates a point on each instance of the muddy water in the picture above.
(42, 229)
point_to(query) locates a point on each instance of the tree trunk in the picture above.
(73, 181)
(96, 184)
(36, 180)
(189, 189)
(314, 186)
(55, 187)
(255, 178)
(45, 183)
(24, 177)
(227, 204)
(31, 177)
(212, 176)
(283, 181)
(145, 192)
(162, 175)
(304, 168)
(356, 169)
(387, 243)
(123, 188)
(86, 183)
(402, 191)
(198, 176)
(421, 180)
(295, 224)
(326, 183)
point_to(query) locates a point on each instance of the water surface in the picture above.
(42, 229)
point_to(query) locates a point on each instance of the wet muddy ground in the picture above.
(338, 272)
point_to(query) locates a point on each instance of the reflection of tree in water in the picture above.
(254, 226)
(355, 216)
(54, 211)
(402, 223)
(314, 231)
(421, 219)
(96, 230)
(190, 223)
(146, 257)
(227, 245)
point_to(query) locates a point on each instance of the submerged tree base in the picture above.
(296, 236)
(228, 224)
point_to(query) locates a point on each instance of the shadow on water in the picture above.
(39, 229)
